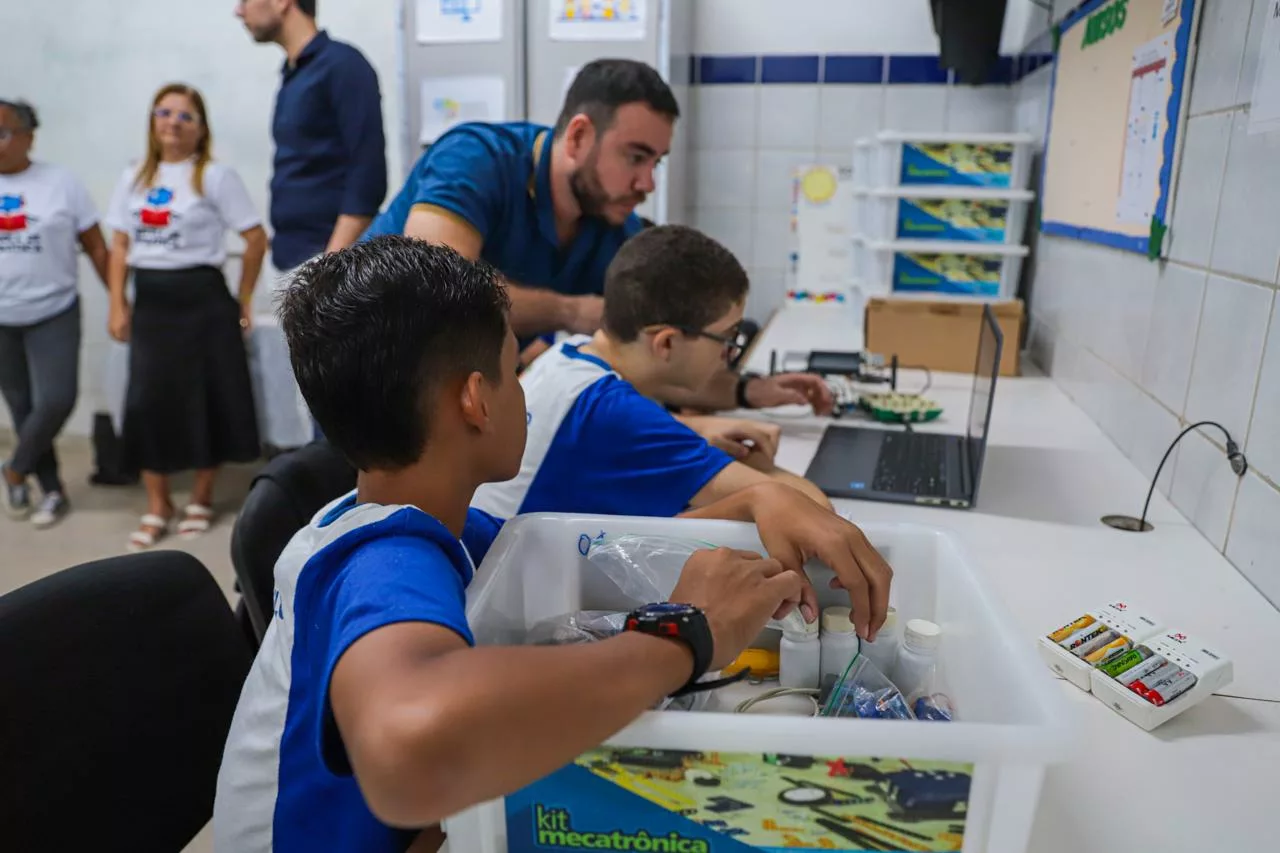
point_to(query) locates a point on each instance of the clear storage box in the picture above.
(715, 781)
(956, 214)
(991, 160)
(988, 270)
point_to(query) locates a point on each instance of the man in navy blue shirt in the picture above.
(330, 170)
(550, 207)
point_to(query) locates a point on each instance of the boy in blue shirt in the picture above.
(598, 442)
(368, 715)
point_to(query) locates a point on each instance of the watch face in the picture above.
(667, 608)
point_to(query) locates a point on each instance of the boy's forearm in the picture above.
(801, 485)
(507, 716)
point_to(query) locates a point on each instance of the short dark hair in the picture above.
(25, 113)
(603, 85)
(306, 7)
(375, 330)
(670, 275)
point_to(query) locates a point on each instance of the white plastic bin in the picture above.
(991, 160)
(957, 214)
(987, 270)
(1011, 719)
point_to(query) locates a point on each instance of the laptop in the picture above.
(906, 466)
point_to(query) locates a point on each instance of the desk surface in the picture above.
(1206, 778)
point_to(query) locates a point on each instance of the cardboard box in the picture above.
(940, 334)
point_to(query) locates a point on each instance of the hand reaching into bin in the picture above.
(793, 529)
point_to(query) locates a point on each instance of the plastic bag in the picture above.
(864, 691)
(585, 626)
(636, 564)
(640, 566)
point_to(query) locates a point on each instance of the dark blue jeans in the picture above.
(39, 379)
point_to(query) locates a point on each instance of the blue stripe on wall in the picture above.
(840, 68)
(789, 69)
(727, 69)
(917, 69)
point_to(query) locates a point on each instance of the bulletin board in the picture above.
(1114, 120)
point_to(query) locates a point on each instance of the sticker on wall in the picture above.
(446, 21)
(450, 101)
(597, 20)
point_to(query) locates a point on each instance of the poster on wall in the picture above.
(1264, 113)
(597, 20)
(1143, 148)
(449, 21)
(450, 101)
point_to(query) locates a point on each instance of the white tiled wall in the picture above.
(1149, 348)
(748, 139)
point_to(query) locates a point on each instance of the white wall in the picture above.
(1148, 348)
(748, 138)
(91, 68)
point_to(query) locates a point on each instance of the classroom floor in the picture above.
(99, 525)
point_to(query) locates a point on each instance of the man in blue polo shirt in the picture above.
(550, 207)
(330, 170)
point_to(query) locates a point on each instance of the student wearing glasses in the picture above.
(597, 440)
(189, 405)
(45, 214)
(549, 207)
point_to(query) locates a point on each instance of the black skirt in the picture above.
(190, 401)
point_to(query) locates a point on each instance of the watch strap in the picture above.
(741, 393)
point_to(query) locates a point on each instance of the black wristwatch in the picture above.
(741, 393)
(682, 622)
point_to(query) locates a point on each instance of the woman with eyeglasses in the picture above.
(190, 404)
(45, 215)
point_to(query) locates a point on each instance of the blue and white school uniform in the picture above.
(597, 445)
(285, 782)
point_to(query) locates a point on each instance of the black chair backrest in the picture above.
(119, 681)
(283, 498)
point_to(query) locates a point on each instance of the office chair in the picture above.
(282, 500)
(120, 678)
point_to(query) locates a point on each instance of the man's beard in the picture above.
(267, 34)
(591, 196)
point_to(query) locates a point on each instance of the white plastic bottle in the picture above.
(917, 658)
(883, 652)
(801, 654)
(839, 645)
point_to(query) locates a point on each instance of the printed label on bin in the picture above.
(958, 164)
(708, 802)
(968, 275)
(952, 219)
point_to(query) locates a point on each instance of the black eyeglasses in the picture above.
(183, 116)
(733, 342)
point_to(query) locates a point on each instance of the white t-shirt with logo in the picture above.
(170, 227)
(43, 212)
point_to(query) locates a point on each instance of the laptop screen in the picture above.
(990, 349)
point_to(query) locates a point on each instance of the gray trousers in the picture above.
(39, 378)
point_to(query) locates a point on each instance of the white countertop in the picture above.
(1207, 778)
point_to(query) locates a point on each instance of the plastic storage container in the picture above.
(991, 160)
(943, 213)
(989, 270)
(679, 776)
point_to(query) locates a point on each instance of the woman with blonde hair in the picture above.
(190, 404)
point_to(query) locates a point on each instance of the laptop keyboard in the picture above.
(913, 464)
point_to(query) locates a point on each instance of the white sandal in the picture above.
(196, 521)
(142, 540)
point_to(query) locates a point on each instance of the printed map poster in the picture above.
(450, 101)
(451, 21)
(598, 20)
(719, 802)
